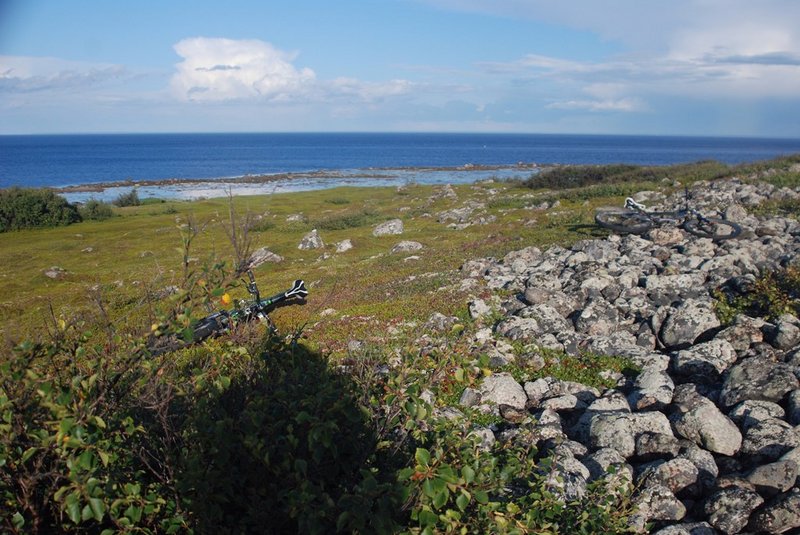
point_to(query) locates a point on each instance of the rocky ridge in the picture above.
(709, 430)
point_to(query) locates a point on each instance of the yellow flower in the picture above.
(226, 299)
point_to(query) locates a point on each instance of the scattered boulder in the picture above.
(387, 228)
(262, 256)
(311, 240)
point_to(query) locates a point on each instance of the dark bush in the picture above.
(27, 208)
(574, 176)
(94, 210)
(130, 198)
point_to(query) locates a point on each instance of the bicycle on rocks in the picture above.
(247, 310)
(634, 218)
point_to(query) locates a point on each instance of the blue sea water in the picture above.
(337, 158)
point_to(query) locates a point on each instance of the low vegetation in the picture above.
(338, 426)
(22, 208)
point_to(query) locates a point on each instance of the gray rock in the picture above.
(311, 240)
(391, 227)
(517, 328)
(750, 412)
(470, 398)
(773, 478)
(262, 256)
(604, 461)
(549, 320)
(598, 318)
(567, 478)
(687, 322)
(653, 389)
(479, 309)
(704, 363)
(619, 430)
(657, 502)
(793, 406)
(406, 246)
(729, 509)
(344, 246)
(689, 528)
(779, 516)
(699, 420)
(55, 273)
(757, 378)
(675, 474)
(743, 332)
(656, 445)
(503, 389)
(769, 439)
(785, 335)
(707, 469)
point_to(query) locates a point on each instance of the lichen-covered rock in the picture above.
(779, 516)
(653, 389)
(688, 321)
(312, 240)
(675, 474)
(699, 420)
(704, 363)
(262, 256)
(387, 228)
(619, 430)
(773, 478)
(770, 438)
(503, 389)
(757, 378)
(729, 509)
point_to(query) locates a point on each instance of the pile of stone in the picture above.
(709, 431)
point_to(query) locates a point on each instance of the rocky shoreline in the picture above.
(709, 431)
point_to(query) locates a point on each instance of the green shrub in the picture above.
(574, 176)
(771, 295)
(28, 208)
(130, 198)
(95, 210)
(348, 220)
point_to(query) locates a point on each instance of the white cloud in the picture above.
(20, 74)
(698, 48)
(215, 69)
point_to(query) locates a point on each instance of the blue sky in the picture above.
(684, 67)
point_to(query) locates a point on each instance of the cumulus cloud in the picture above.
(215, 69)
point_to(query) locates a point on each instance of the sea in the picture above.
(191, 166)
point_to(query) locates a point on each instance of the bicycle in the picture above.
(635, 219)
(247, 310)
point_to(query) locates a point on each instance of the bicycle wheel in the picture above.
(709, 227)
(624, 222)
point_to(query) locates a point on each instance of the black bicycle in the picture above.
(635, 219)
(248, 310)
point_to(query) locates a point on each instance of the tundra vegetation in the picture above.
(340, 423)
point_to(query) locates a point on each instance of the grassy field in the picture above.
(119, 260)
(115, 264)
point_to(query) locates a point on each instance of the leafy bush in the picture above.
(574, 176)
(130, 198)
(770, 295)
(95, 210)
(348, 220)
(27, 208)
